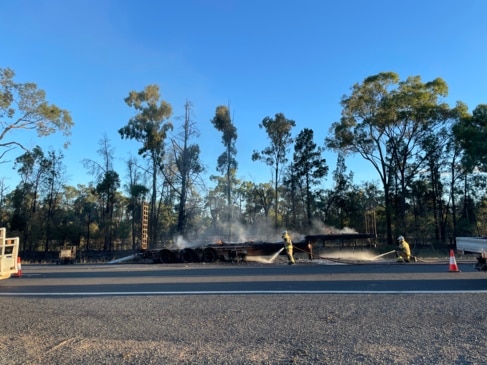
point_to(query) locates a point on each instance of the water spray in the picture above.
(384, 254)
(264, 260)
(275, 255)
(123, 259)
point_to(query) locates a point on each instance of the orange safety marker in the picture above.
(453, 263)
(19, 269)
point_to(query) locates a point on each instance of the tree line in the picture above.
(429, 157)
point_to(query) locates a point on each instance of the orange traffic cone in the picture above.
(19, 269)
(453, 263)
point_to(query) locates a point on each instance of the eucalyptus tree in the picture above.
(335, 206)
(215, 204)
(30, 168)
(218, 195)
(442, 155)
(149, 126)
(69, 225)
(53, 182)
(434, 150)
(418, 113)
(26, 198)
(293, 200)
(471, 134)
(107, 153)
(434, 193)
(278, 131)
(260, 201)
(308, 165)
(106, 182)
(107, 190)
(240, 190)
(37, 198)
(86, 212)
(262, 205)
(469, 151)
(186, 157)
(227, 162)
(385, 120)
(23, 106)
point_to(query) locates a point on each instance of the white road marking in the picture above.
(244, 292)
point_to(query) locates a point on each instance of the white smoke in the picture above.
(181, 243)
(320, 228)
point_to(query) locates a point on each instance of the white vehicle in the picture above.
(476, 245)
(67, 255)
(9, 253)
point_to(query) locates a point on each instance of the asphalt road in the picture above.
(244, 313)
(246, 278)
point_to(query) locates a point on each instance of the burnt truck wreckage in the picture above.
(222, 251)
(237, 252)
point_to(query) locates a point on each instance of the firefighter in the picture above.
(403, 251)
(288, 245)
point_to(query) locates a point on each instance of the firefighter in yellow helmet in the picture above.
(288, 245)
(403, 251)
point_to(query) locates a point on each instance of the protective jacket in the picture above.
(288, 245)
(404, 252)
(287, 240)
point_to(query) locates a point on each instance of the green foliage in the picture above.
(24, 106)
(307, 159)
(222, 121)
(307, 171)
(149, 127)
(471, 134)
(401, 128)
(227, 161)
(279, 133)
(109, 184)
(482, 217)
(387, 122)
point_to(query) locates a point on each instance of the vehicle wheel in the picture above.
(167, 257)
(209, 255)
(188, 255)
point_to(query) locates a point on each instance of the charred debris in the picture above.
(239, 252)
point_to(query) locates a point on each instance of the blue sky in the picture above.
(261, 57)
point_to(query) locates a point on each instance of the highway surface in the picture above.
(244, 313)
(246, 278)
